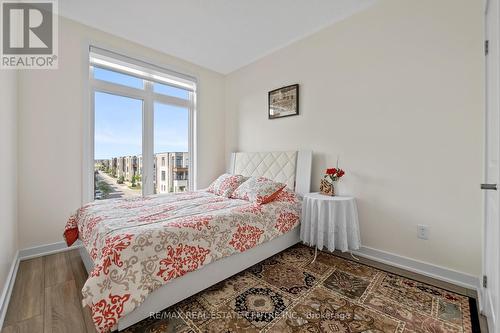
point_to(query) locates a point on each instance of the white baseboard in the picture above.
(420, 267)
(7, 288)
(43, 250)
(25, 254)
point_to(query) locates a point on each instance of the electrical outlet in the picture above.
(423, 231)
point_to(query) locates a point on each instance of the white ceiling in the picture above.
(222, 35)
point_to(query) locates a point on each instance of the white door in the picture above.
(491, 257)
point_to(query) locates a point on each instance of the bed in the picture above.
(146, 254)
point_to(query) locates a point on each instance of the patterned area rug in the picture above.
(286, 293)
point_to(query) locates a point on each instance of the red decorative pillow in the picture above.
(259, 190)
(226, 184)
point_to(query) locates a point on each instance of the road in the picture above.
(118, 190)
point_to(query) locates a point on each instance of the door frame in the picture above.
(484, 301)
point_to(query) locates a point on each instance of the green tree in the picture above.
(104, 188)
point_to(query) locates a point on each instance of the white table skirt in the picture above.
(330, 222)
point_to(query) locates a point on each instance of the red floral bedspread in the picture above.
(140, 244)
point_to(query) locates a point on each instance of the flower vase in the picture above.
(328, 187)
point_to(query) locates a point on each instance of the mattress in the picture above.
(140, 244)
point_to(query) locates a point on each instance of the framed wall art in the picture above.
(283, 102)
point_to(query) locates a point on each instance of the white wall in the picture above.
(8, 171)
(50, 130)
(397, 91)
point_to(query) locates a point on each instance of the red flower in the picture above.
(340, 173)
(331, 171)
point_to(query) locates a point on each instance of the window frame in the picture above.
(148, 97)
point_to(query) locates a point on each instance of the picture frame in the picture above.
(283, 102)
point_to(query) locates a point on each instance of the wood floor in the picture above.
(47, 298)
(47, 294)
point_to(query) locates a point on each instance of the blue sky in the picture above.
(118, 121)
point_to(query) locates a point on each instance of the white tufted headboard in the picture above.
(290, 167)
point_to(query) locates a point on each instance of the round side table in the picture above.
(331, 222)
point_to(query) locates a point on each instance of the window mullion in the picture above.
(147, 140)
(191, 142)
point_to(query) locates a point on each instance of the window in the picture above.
(178, 161)
(170, 91)
(118, 78)
(143, 116)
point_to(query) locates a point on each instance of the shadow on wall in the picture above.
(318, 166)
